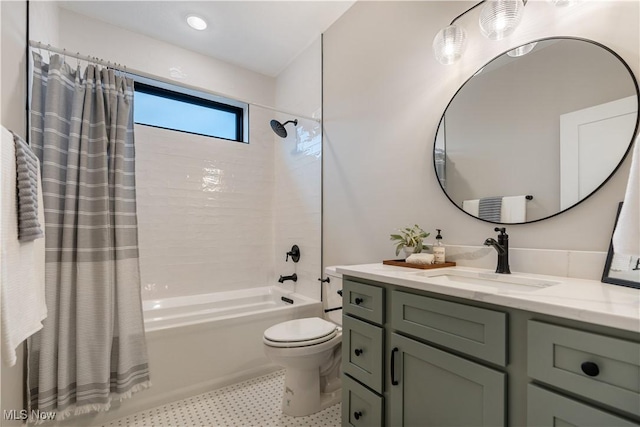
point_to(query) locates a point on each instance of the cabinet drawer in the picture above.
(363, 301)
(545, 408)
(475, 331)
(362, 348)
(360, 407)
(598, 367)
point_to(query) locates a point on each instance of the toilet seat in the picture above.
(300, 333)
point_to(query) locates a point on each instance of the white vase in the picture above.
(408, 250)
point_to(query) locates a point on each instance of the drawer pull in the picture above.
(393, 366)
(357, 415)
(359, 301)
(590, 369)
(358, 352)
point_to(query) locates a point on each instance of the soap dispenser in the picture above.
(438, 249)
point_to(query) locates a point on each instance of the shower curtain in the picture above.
(92, 347)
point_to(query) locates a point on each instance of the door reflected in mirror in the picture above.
(553, 124)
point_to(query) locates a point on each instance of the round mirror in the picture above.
(536, 130)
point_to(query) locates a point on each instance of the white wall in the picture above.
(384, 93)
(89, 36)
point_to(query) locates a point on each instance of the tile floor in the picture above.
(255, 402)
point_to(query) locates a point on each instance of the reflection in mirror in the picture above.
(621, 269)
(553, 123)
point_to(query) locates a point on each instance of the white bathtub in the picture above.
(203, 342)
(220, 307)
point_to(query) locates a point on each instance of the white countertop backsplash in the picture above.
(573, 298)
(563, 263)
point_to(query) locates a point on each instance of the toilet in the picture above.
(310, 351)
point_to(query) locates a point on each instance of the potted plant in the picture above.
(410, 240)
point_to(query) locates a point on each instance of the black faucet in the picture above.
(502, 247)
(293, 277)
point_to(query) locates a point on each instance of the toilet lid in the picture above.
(298, 330)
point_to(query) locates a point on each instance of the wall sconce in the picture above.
(498, 19)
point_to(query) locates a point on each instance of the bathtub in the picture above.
(203, 342)
(221, 307)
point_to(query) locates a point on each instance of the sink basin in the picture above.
(497, 282)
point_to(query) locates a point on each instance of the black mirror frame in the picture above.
(607, 265)
(613, 172)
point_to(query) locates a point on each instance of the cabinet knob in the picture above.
(357, 415)
(339, 292)
(359, 301)
(358, 352)
(590, 369)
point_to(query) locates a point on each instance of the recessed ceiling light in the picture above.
(196, 22)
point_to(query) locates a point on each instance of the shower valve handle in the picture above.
(294, 253)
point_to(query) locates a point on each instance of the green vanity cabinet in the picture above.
(428, 359)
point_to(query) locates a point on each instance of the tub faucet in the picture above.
(293, 277)
(502, 247)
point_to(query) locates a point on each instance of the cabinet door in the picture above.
(545, 408)
(436, 388)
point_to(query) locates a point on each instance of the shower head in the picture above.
(279, 128)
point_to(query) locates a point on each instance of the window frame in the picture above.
(201, 99)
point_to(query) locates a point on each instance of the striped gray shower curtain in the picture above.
(92, 347)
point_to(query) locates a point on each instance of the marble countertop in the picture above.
(578, 299)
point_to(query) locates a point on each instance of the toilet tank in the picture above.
(330, 297)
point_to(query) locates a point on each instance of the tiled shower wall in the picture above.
(297, 205)
(205, 210)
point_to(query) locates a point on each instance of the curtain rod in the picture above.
(137, 73)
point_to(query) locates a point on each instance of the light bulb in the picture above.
(449, 44)
(499, 18)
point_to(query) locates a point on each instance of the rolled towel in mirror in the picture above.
(420, 259)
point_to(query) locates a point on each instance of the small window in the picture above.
(168, 109)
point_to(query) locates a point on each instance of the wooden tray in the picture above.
(403, 263)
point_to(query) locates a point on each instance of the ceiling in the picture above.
(262, 36)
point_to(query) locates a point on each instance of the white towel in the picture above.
(22, 301)
(626, 237)
(514, 209)
(420, 258)
(472, 207)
